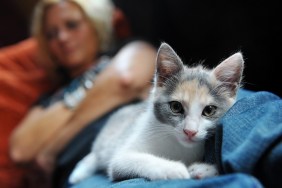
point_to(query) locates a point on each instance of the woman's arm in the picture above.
(36, 128)
(44, 133)
(129, 77)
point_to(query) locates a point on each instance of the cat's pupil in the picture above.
(176, 107)
(209, 110)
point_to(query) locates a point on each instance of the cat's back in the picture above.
(117, 129)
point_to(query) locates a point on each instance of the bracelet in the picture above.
(72, 99)
(76, 92)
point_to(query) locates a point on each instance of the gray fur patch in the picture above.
(164, 115)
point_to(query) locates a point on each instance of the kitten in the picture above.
(164, 137)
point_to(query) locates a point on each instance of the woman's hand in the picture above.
(135, 65)
(46, 162)
(37, 129)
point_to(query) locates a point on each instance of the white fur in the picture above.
(135, 143)
(139, 150)
(202, 170)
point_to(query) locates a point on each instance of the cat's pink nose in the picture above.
(190, 133)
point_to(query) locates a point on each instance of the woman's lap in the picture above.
(247, 140)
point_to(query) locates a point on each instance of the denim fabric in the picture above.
(247, 148)
(269, 167)
(225, 181)
(251, 130)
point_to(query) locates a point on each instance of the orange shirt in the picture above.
(22, 81)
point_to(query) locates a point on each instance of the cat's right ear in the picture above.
(168, 64)
(229, 72)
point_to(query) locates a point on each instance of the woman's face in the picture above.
(70, 37)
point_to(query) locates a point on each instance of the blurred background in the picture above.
(196, 29)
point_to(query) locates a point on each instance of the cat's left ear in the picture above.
(230, 71)
(168, 64)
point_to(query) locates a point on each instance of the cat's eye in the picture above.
(209, 110)
(176, 107)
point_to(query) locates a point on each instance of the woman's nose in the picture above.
(63, 35)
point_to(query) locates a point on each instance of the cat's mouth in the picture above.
(186, 141)
(189, 140)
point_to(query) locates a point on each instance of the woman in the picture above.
(72, 34)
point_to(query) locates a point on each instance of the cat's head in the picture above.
(190, 100)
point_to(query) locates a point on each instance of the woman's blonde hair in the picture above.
(99, 13)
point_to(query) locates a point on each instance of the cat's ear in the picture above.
(229, 72)
(168, 64)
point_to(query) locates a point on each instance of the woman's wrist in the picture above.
(72, 99)
(74, 94)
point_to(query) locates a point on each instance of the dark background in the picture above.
(196, 29)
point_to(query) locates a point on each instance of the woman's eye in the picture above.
(209, 110)
(176, 107)
(52, 34)
(72, 24)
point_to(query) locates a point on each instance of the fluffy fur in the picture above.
(163, 137)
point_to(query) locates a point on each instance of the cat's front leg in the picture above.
(84, 169)
(144, 165)
(202, 170)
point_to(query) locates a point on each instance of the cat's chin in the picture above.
(188, 143)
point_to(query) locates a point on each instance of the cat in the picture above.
(164, 136)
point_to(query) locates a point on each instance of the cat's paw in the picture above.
(173, 170)
(78, 175)
(202, 170)
(84, 169)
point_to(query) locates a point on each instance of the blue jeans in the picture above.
(247, 148)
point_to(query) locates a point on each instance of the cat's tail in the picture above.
(84, 169)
